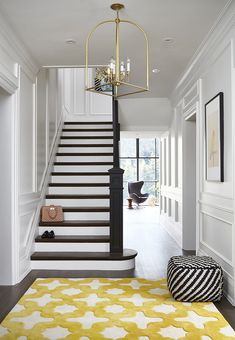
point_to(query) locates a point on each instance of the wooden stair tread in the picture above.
(87, 130)
(81, 256)
(84, 154)
(80, 173)
(88, 123)
(78, 184)
(83, 163)
(74, 239)
(85, 145)
(82, 196)
(74, 223)
(86, 209)
(86, 137)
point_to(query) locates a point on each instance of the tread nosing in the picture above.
(64, 154)
(83, 163)
(81, 256)
(82, 196)
(78, 184)
(80, 173)
(74, 239)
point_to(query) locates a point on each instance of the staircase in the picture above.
(80, 184)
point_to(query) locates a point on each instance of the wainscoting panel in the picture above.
(216, 234)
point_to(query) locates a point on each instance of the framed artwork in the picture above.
(214, 124)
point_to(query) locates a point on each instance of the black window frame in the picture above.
(137, 157)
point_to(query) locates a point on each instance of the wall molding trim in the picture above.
(32, 204)
(7, 80)
(173, 228)
(15, 47)
(228, 282)
(223, 24)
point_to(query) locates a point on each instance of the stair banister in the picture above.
(116, 189)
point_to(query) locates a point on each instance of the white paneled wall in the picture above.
(171, 188)
(39, 121)
(26, 133)
(211, 71)
(30, 116)
(41, 126)
(80, 104)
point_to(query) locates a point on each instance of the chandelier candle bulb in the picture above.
(128, 65)
(122, 68)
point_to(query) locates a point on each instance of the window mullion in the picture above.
(137, 158)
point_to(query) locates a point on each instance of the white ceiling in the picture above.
(44, 26)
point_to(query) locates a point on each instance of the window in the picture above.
(140, 160)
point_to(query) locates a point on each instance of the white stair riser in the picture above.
(84, 158)
(79, 190)
(87, 141)
(79, 179)
(84, 265)
(87, 133)
(83, 216)
(56, 246)
(88, 126)
(79, 202)
(84, 149)
(76, 231)
(82, 168)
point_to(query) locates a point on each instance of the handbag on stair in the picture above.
(52, 213)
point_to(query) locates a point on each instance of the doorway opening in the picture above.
(139, 158)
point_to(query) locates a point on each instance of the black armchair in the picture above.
(134, 190)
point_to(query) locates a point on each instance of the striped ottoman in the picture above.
(195, 278)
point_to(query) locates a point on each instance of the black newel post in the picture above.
(116, 190)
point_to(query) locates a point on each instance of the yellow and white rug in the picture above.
(87, 309)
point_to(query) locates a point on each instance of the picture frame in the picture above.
(214, 132)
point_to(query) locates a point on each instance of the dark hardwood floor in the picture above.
(143, 233)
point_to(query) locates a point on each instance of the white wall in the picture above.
(6, 245)
(28, 126)
(39, 120)
(144, 114)
(83, 105)
(211, 71)
(171, 179)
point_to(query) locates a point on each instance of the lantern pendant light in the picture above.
(114, 78)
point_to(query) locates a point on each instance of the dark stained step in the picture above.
(87, 123)
(83, 163)
(80, 174)
(86, 130)
(78, 184)
(127, 254)
(86, 209)
(86, 137)
(87, 223)
(85, 145)
(74, 239)
(78, 196)
(84, 154)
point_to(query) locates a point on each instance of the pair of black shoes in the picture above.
(48, 234)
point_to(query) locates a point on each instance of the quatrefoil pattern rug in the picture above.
(87, 309)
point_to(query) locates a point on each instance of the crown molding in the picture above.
(16, 48)
(7, 80)
(224, 23)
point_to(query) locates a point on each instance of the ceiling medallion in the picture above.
(114, 79)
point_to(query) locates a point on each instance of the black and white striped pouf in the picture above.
(195, 278)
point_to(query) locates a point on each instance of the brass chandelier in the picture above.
(114, 78)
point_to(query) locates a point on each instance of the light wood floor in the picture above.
(143, 233)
